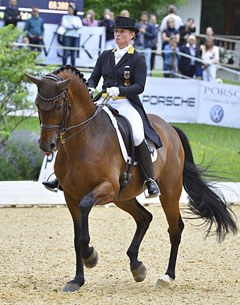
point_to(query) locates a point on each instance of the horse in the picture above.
(89, 165)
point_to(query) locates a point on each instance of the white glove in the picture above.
(113, 91)
(91, 91)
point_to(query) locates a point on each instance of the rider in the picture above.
(124, 74)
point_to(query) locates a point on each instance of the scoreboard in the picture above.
(50, 11)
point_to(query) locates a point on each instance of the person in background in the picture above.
(11, 14)
(90, 20)
(188, 65)
(108, 23)
(72, 24)
(34, 28)
(143, 41)
(209, 33)
(210, 57)
(125, 13)
(171, 57)
(155, 26)
(172, 13)
(186, 30)
(169, 31)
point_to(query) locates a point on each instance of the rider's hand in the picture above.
(91, 91)
(113, 91)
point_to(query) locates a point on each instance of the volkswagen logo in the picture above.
(216, 113)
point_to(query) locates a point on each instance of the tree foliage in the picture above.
(133, 6)
(14, 61)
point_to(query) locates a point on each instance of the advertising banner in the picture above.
(219, 104)
(175, 100)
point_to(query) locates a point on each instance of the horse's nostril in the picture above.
(52, 145)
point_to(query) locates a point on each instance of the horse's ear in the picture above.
(63, 84)
(33, 79)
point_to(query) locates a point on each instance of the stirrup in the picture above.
(146, 192)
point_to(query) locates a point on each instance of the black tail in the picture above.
(203, 200)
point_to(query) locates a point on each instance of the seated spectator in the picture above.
(186, 30)
(188, 65)
(171, 57)
(90, 20)
(12, 14)
(108, 22)
(210, 57)
(172, 13)
(34, 28)
(169, 31)
(125, 13)
(155, 26)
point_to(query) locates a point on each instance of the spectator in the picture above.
(210, 57)
(108, 23)
(90, 20)
(143, 41)
(155, 26)
(188, 65)
(12, 14)
(34, 28)
(125, 13)
(171, 57)
(209, 33)
(186, 30)
(72, 24)
(172, 13)
(169, 31)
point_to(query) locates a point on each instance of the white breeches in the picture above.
(209, 74)
(126, 109)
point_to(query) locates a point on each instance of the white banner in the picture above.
(185, 101)
(220, 104)
(175, 100)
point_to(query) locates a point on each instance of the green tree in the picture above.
(14, 61)
(133, 6)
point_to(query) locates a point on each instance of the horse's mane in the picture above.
(73, 70)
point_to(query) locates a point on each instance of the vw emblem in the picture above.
(216, 113)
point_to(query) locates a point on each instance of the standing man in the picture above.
(12, 14)
(34, 28)
(144, 38)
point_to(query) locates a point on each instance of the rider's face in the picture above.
(123, 37)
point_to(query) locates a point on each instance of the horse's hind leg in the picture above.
(143, 219)
(170, 204)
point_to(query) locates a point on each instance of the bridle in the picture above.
(62, 126)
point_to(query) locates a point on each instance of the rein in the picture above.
(62, 126)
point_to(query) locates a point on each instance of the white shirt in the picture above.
(72, 24)
(119, 53)
(177, 19)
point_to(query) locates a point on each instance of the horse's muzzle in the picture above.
(48, 146)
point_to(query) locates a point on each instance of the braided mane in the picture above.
(73, 70)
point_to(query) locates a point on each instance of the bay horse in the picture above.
(89, 165)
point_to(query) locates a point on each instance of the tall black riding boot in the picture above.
(145, 162)
(52, 185)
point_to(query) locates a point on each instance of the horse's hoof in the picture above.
(140, 273)
(71, 287)
(164, 281)
(92, 260)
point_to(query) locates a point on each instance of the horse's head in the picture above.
(53, 108)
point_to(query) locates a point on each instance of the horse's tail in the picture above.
(203, 200)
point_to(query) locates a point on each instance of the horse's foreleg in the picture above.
(84, 253)
(176, 226)
(143, 219)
